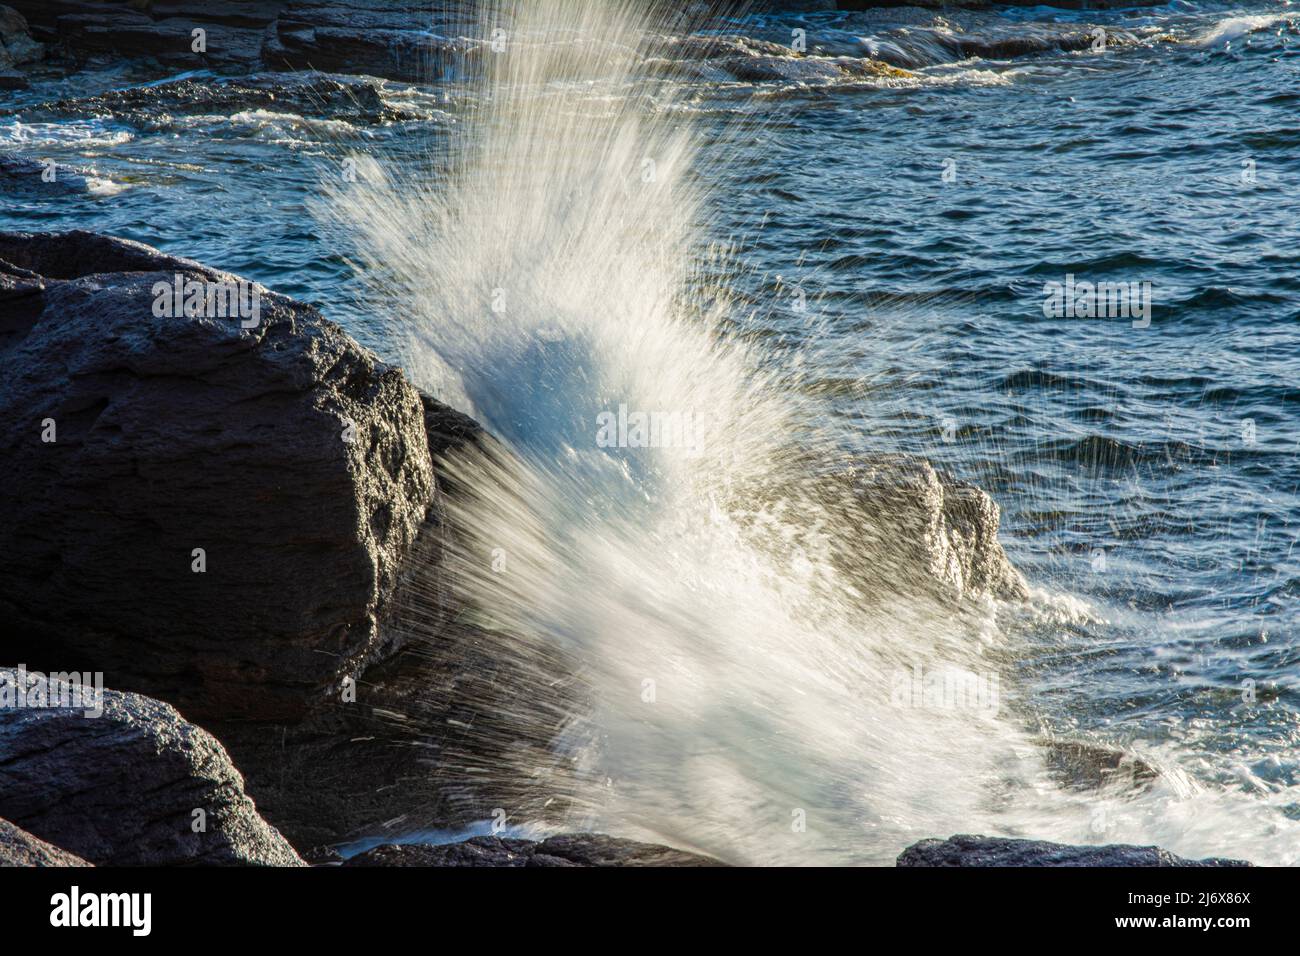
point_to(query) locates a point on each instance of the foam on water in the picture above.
(78, 134)
(739, 656)
(1232, 28)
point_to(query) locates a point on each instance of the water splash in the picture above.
(717, 622)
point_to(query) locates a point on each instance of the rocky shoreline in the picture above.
(407, 41)
(242, 520)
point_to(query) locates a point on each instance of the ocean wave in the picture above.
(83, 134)
(1221, 297)
(285, 128)
(1041, 378)
(901, 44)
(1225, 31)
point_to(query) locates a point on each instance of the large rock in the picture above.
(287, 459)
(17, 48)
(231, 38)
(136, 785)
(570, 849)
(20, 848)
(964, 850)
(320, 643)
(16, 44)
(390, 39)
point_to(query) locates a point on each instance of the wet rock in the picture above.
(914, 36)
(462, 721)
(173, 41)
(744, 59)
(231, 30)
(1084, 766)
(349, 98)
(136, 785)
(20, 848)
(964, 850)
(16, 44)
(319, 642)
(921, 523)
(571, 849)
(210, 513)
(20, 175)
(900, 532)
(393, 40)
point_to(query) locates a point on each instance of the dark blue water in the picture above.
(1152, 471)
(1149, 476)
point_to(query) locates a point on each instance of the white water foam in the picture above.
(1233, 28)
(726, 610)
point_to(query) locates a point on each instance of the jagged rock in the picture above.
(570, 849)
(292, 457)
(898, 529)
(922, 520)
(20, 848)
(965, 850)
(123, 788)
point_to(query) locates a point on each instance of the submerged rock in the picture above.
(20, 848)
(22, 176)
(210, 510)
(136, 785)
(965, 850)
(570, 849)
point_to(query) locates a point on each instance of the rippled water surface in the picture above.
(1148, 476)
